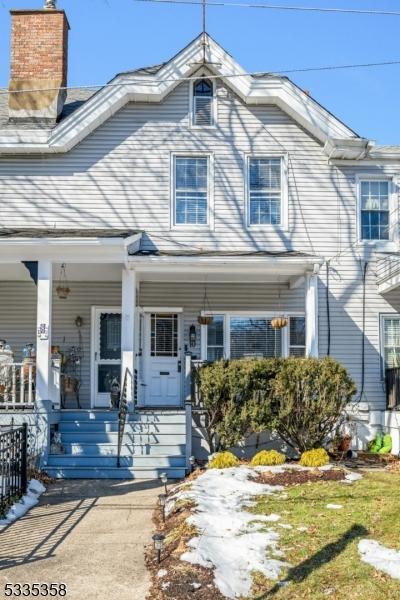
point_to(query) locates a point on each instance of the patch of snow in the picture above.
(272, 517)
(30, 499)
(165, 585)
(227, 541)
(285, 526)
(334, 506)
(195, 585)
(382, 558)
(162, 573)
(350, 477)
(302, 528)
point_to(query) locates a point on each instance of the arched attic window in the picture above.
(203, 103)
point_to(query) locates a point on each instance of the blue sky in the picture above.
(108, 36)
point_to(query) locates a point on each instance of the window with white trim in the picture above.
(297, 336)
(374, 209)
(391, 341)
(191, 190)
(203, 103)
(264, 191)
(215, 338)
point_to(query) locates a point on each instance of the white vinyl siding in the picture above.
(191, 190)
(375, 209)
(264, 191)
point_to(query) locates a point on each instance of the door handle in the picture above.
(179, 366)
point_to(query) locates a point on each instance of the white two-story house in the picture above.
(179, 191)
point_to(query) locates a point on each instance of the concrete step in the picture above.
(114, 472)
(130, 427)
(107, 437)
(110, 449)
(71, 460)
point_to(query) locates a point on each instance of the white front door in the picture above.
(106, 353)
(161, 384)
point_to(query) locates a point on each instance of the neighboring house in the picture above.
(164, 198)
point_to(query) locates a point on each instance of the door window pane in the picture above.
(191, 190)
(374, 210)
(391, 342)
(264, 191)
(164, 335)
(215, 339)
(254, 337)
(106, 375)
(110, 336)
(297, 336)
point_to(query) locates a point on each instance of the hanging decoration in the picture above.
(280, 321)
(205, 319)
(62, 288)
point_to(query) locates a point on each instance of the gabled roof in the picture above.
(82, 116)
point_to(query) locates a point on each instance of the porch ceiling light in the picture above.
(62, 288)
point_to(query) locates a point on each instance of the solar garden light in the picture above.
(192, 461)
(158, 539)
(164, 480)
(162, 498)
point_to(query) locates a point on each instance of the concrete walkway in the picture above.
(88, 534)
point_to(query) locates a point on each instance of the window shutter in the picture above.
(202, 111)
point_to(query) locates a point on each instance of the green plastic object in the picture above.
(387, 444)
(376, 444)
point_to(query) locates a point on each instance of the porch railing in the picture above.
(13, 466)
(393, 388)
(194, 389)
(17, 385)
(122, 412)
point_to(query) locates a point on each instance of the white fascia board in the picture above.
(153, 88)
(350, 149)
(253, 264)
(73, 250)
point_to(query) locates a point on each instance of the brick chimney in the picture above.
(39, 60)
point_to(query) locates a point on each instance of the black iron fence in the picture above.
(393, 387)
(13, 466)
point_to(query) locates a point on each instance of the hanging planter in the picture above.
(204, 319)
(279, 322)
(63, 289)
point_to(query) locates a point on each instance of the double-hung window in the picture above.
(191, 190)
(390, 341)
(265, 190)
(297, 336)
(374, 209)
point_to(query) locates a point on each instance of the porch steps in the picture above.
(154, 442)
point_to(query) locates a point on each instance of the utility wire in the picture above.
(351, 11)
(195, 77)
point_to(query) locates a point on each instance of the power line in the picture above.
(349, 11)
(221, 76)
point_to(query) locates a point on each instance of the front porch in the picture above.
(137, 318)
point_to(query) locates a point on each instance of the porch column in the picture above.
(128, 330)
(311, 305)
(43, 351)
